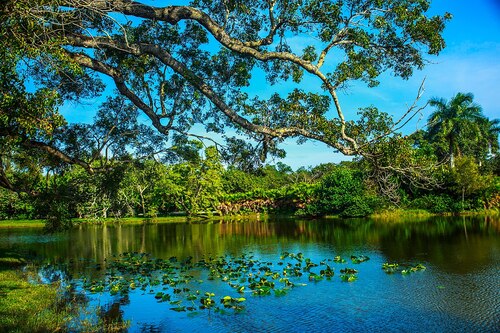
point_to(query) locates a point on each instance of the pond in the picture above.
(282, 275)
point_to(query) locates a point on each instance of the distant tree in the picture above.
(489, 146)
(341, 192)
(458, 124)
(468, 178)
(196, 186)
(239, 181)
(398, 166)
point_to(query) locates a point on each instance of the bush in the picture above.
(442, 203)
(341, 192)
(58, 217)
(359, 207)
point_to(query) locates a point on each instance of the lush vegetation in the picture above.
(29, 308)
(184, 132)
(451, 166)
(29, 304)
(182, 77)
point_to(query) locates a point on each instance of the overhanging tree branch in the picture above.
(162, 49)
(166, 58)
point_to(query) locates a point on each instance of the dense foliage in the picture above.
(190, 67)
(199, 184)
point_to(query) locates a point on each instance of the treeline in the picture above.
(451, 166)
(203, 186)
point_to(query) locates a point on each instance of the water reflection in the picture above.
(454, 245)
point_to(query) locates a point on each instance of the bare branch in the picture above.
(409, 114)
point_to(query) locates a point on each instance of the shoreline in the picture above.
(381, 215)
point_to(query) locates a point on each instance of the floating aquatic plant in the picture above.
(207, 301)
(348, 277)
(390, 268)
(243, 274)
(339, 259)
(349, 271)
(233, 303)
(327, 272)
(349, 274)
(412, 269)
(359, 259)
(404, 269)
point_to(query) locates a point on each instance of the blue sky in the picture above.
(469, 63)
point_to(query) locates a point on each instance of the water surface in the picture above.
(458, 292)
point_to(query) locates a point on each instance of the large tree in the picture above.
(188, 64)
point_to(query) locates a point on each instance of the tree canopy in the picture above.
(193, 64)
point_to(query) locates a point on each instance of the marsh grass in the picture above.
(419, 215)
(132, 221)
(402, 215)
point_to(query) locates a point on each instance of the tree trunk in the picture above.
(463, 197)
(451, 154)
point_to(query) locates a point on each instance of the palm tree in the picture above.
(491, 130)
(485, 144)
(456, 123)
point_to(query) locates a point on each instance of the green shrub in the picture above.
(340, 192)
(437, 203)
(359, 207)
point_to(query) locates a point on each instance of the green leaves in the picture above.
(196, 186)
(233, 303)
(458, 127)
(309, 53)
(348, 277)
(359, 259)
(191, 64)
(390, 268)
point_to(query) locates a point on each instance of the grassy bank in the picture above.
(34, 307)
(127, 220)
(27, 307)
(22, 223)
(412, 215)
(399, 215)
(135, 220)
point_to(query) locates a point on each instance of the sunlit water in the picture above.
(458, 292)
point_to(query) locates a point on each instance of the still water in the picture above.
(459, 291)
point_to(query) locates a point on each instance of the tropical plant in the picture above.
(456, 124)
(196, 187)
(468, 179)
(340, 192)
(489, 146)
